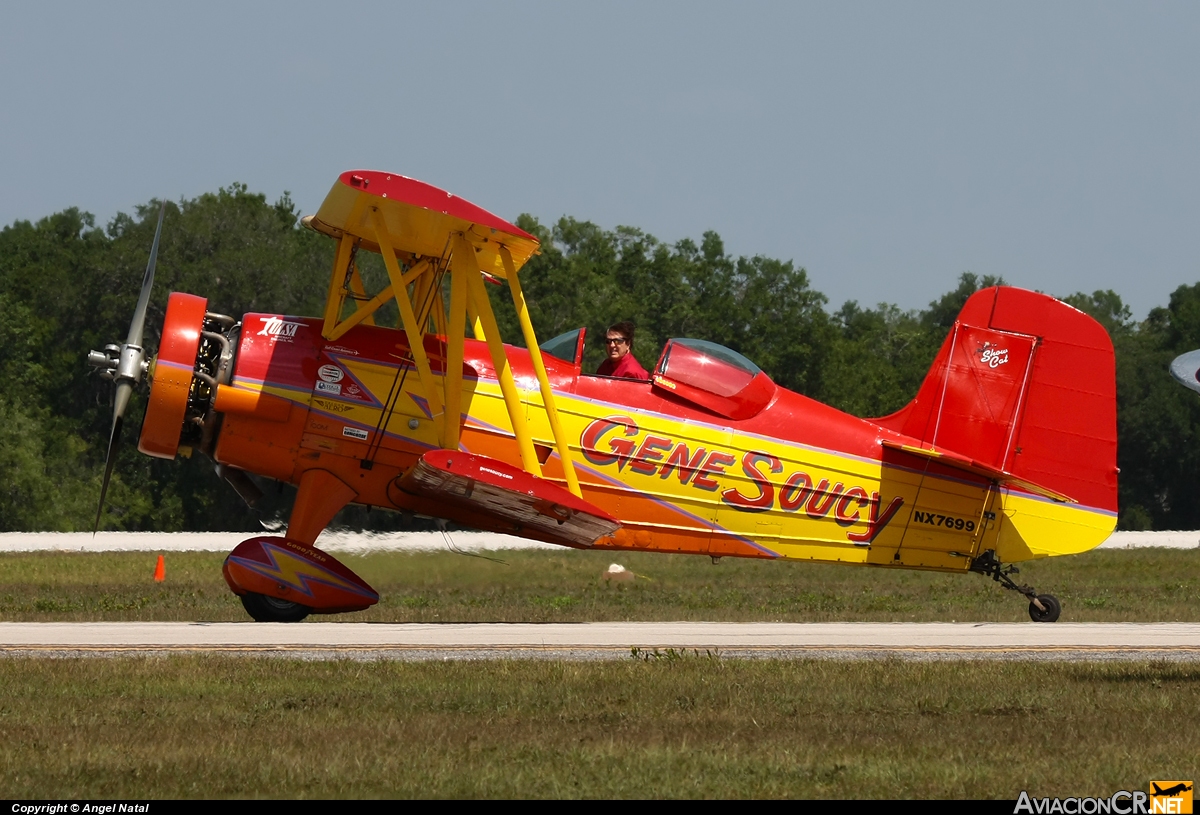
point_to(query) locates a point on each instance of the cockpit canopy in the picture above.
(713, 377)
(708, 375)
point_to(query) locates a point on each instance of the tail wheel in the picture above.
(1050, 611)
(266, 609)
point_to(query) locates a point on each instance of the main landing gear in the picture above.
(281, 580)
(1043, 608)
(266, 609)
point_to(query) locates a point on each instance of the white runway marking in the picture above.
(1176, 641)
(360, 543)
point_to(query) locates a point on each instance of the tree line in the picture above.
(67, 286)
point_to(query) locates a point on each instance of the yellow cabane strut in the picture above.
(468, 301)
(539, 367)
(463, 262)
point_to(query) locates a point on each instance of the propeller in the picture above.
(1186, 370)
(125, 364)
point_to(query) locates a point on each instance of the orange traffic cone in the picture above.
(160, 570)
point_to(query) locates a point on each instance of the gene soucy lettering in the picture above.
(614, 440)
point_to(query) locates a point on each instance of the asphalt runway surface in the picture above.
(322, 640)
(590, 641)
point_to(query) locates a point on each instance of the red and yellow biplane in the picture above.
(1007, 453)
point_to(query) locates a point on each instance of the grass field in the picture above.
(666, 726)
(1141, 585)
(686, 726)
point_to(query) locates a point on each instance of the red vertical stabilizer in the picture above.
(1026, 385)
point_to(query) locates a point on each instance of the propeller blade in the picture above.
(129, 369)
(139, 313)
(120, 402)
(114, 442)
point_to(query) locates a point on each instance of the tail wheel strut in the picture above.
(1043, 608)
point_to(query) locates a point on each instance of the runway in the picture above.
(590, 641)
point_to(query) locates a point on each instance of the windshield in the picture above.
(563, 346)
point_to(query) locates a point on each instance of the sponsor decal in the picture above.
(332, 407)
(495, 473)
(330, 373)
(992, 356)
(618, 441)
(340, 349)
(355, 433)
(304, 550)
(338, 381)
(279, 329)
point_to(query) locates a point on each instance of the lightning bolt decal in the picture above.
(299, 573)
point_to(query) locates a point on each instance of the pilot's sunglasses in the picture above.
(618, 341)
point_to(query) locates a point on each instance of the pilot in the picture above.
(621, 363)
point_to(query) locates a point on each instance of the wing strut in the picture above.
(416, 338)
(539, 367)
(464, 260)
(412, 225)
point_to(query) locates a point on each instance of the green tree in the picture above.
(1158, 422)
(878, 361)
(587, 276)
(67, 286)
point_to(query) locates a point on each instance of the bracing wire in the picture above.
(393, 398)
(450, 545)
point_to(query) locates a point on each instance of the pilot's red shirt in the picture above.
(627, 368)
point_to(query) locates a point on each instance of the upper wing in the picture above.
(419, 217)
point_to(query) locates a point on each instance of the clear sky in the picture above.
(886, 147)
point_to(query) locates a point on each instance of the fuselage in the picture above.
(699, 469)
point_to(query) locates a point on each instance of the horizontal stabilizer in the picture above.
(959, 462)
(490, 487)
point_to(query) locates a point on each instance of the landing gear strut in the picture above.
(1043, 608)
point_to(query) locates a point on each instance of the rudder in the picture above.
(1024, 385)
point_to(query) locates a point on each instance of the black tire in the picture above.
(1053, 609)
(266, 609)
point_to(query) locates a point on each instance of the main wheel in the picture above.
(266, 609)
(1053, 609)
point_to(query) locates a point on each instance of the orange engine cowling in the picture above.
(172, 379)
